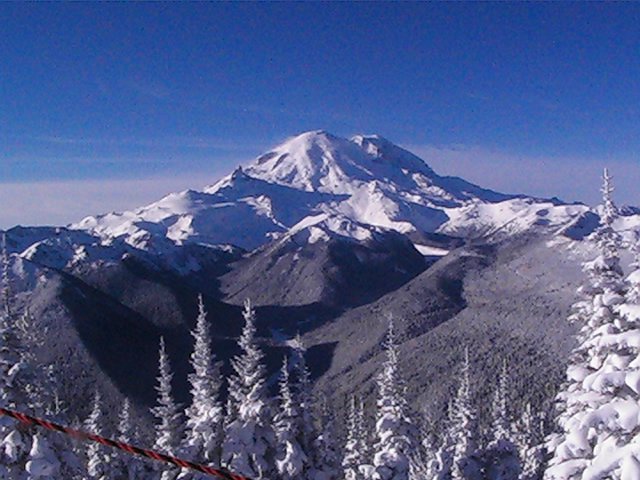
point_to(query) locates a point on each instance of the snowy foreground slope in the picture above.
(327, 236)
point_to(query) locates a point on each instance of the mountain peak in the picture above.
(322, 162)
(314, 133)
(308, 138)
(312, 161)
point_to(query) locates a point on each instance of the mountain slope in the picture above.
(508, 302)
(313, 264)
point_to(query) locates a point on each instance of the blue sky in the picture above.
(104, 106)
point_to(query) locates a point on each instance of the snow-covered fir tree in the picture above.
(39, 383)
(14, 443)
(367, 435)
(78, 451)
(205, 415)
(6, 282)
(602, 270)
(326, 464)
(444, 452)
(38, 388)
(614, 426)
(98, 458)
(9, 343)
(126, 429)
(394, 431)
(291, 459)
(501, 456)
(169, 426)
(355, 449)
(249, 446)
(125, 466)
(501, 424)
(529, 439)
(424, 463)
(302, 387)
(461, 438)
(598, 407)
(633, 279)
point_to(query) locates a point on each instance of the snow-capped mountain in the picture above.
(349, 186)
(326, 236)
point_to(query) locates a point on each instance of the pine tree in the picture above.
(291, 460)
(614, 425)
(169, 428)
(97, 458)
(364, 432)
(394, 430)
(529, 440)
(500, 408)
(326, 461)
(601, 393)
(205, 416)
(10, 349)
(444, 450)
(6, 282)
(167, 412)
(38, 382)
(126, 430)
(125, 466)
(304, 396)
(605, 271)
(354, 450)
(249, 445)
(424, 463)
(14, 444)
(501, 456)
(78, 451)
(463, 430)
(633, 279)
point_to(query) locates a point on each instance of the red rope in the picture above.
(160, 457)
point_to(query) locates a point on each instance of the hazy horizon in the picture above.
(109, 106)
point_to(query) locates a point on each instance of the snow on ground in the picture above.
(362, 181)
(323, 227)
(314, 186)
(508, 217)
(428, 251)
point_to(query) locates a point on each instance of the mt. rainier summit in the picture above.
(329, 186)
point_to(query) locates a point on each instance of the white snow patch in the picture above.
(428, 251)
